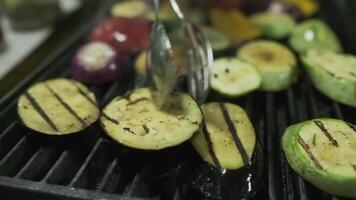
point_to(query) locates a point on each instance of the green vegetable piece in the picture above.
(232, 77)
(135, 121)
(323, 151)
(274, 25)
(333, 74)
(314, 34)
(218, 144)
(275, 62)
(58, 107)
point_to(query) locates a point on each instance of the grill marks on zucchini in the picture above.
(235, 136)
(40, 111)
(329, 163)
(227, 140)
(144, 126)
(326, 133)
(308, 151)
(60, 106)
(332, 74)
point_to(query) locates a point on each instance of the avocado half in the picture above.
(323, 151)
(333, 74)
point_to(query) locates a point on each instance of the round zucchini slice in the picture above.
(323, 151)
(135, 121)
(274, 25)
(314, 34)
(217, 39)
(227, 138)
(275, 62)
(333, 74)
(232, 77)
(58, 107)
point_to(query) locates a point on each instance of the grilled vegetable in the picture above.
(228, 143)
(228, 139)
(179, 59)
(333, 74)
(97, 63)
(136, 122)
(208, 182)
(128, 35)
(275, 62)
(234, 24)
(132, 9)
(58, 107)
(323, 151)
(233, 77)
(273, 25)
(216, 38)
(313, 34)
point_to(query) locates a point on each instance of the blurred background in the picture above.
(31, 30)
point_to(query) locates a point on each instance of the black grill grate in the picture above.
(88, 165)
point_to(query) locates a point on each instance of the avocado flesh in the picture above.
(333, 74)
(322, 151)
(275, 62)
(136, 121)
(314, 34)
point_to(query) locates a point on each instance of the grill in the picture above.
(88, 165)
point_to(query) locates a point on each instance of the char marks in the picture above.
(310, 154)
(84, 94)
(210, 145)
(114, 121)
(326, 133)
(353, 127)
(40, 111)
(70, 109)
(235, 136)
(353, 166)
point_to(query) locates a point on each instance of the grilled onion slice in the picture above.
(135, 121)
(58, 107)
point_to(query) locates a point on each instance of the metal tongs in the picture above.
(200, 57)
(161, 70)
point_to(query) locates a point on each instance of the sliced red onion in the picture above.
(97, 63)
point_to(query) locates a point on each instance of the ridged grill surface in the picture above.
(89, 165)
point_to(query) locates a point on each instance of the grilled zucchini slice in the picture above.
(323, 151)
(58, 107)
(275, 62)
(273, 25)
(227, 139)
(333, 74)
(135, 121)
(314, 34)
(232, 77)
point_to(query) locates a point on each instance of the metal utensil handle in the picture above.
(177, 10)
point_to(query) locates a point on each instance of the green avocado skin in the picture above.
(304, 166)
(314, 34)
(340, 90)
